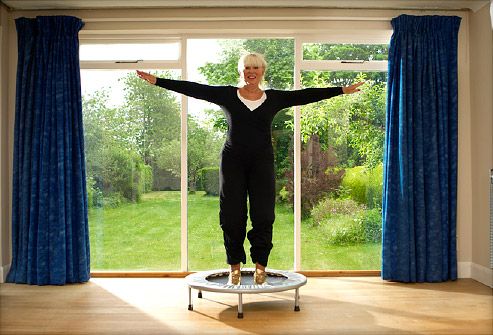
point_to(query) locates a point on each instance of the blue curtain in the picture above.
(420, 160)
(50, 242)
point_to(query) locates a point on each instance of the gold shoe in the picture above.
(234, 277)
(259, 277)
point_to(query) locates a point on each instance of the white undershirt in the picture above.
(252, 104)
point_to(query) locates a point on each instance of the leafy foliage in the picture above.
(204, 144)
(113, 164)
(363, 185)
(140, 141)
(209, 180)
(346, 222)
(329, 207)
(319, 176)
(353, 125)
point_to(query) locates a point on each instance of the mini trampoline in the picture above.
(217, 281)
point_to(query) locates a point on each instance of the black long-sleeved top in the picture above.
(248, 131)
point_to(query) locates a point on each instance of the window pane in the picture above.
(132, 147)
(217, 61)
(206, 133)
(129, 52)
(350, 52)
(341, 158)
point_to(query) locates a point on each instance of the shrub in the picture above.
(282, 194)
(147, 177)
(94, 194)
(344, 221)
(342, 230)
(329, 207)
(90, 191)
(125, 172)
(113, 200)
(209, 180)
(319, 175)
(371, 221)
(364, 185)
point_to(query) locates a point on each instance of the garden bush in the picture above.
(346, 229)
(345, 221)
(371, 221)
(147, 177)
(364, 185)
(343, 230)
(94, 194)
(320, 176)
(329, 207)
(113, 200)
(209, 180)
(124, 172)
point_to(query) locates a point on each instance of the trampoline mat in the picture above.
(217, 280)
(274, 279)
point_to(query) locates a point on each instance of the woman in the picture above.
(247, 160)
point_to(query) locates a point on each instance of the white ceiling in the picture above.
(377, 4)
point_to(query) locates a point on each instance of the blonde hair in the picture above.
(251, 59)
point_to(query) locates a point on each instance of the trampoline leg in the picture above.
(190, 305)
(200, 294)
(296, 300)
(240, 306)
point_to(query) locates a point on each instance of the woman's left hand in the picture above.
(352, 88)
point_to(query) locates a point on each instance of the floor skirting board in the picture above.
(4, 269)
(477, 272)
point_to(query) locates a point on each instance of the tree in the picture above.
(353, 125)
(204, 145)
(113, 166)
(152, 115)
(319, 175)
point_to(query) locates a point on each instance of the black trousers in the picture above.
(241, 176)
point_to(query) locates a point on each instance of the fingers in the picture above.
(142, 74)
(353, 88)
(146, 76)
(357, 84)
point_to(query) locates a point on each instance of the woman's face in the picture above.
(253, 74)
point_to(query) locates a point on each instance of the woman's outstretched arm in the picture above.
(188, 88)
(309, 95)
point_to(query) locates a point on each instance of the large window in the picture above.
(153, 156)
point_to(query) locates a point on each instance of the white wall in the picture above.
(4, 144)
(481, 63)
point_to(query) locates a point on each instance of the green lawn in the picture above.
(146, 236)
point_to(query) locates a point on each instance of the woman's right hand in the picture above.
(147, 77)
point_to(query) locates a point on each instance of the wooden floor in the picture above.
(337, 305)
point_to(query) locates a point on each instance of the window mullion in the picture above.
(297, 157)
(184, 163)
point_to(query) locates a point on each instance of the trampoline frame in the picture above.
(200, 282)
